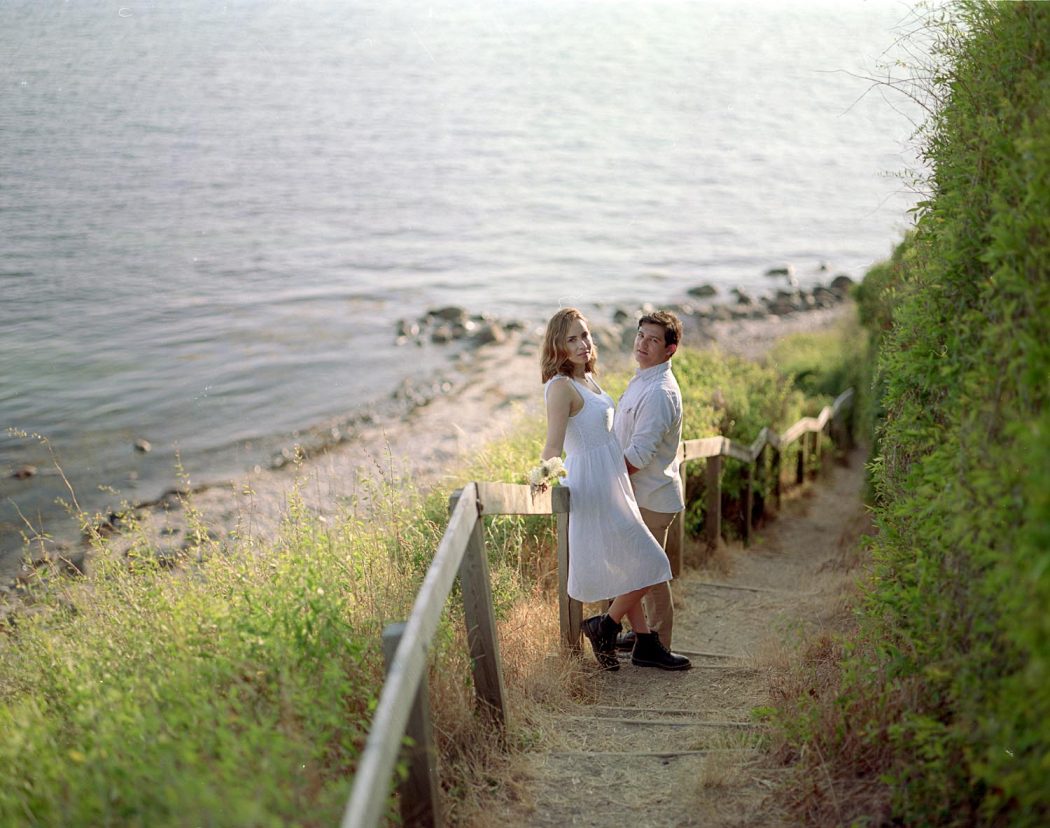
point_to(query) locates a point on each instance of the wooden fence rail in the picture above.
(403, 708)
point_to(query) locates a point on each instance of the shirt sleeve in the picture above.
(654, 415)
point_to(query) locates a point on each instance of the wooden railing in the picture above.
(403, 708)
(714, 449)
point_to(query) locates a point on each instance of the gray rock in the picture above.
(441, 334)
(488, 333)
(781, 306)
(703, 291)
(24, 472)
(682, 310)
(407, 329)
(607, 337)
(824, 297)
(743, 297)
(143, 446)
(74, 561)
(842, 284)
(450, 313)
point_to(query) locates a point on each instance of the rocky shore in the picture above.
(425, 426)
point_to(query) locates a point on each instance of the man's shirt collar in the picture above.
(653, 371)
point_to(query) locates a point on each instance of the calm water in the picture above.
(212, 215)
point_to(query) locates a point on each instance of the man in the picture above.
(648, 425)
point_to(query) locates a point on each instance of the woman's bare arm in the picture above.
(562, 402)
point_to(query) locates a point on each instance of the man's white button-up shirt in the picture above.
(648, 424)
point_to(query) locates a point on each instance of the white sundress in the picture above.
(610, 549)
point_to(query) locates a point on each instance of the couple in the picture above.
(624, 482)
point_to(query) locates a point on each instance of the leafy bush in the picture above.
(729, 396)
(952, 662)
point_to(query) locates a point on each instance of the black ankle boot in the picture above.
(601, 631)
(649, 651)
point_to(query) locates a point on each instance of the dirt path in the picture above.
(682, 749)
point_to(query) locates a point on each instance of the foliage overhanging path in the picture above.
(679, 749)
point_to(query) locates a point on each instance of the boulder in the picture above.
(441, 334)
(842, 284)
(607, 337)
(488, 333)
(406, 328)
(824, 297)
(704, 291)
(450, 313)
(782, 307)
(743, 297)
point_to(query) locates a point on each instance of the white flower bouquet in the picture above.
(541, 476)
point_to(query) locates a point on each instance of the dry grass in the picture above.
(698, 554)
(828, 780)
(478, 772)
(721, 772)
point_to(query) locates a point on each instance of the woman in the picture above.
(610, 550)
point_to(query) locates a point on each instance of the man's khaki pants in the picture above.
(659, 609)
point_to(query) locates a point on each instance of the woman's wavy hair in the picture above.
(554, 359)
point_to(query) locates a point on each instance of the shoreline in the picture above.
(500, 385)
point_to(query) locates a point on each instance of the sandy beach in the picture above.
(500, 385)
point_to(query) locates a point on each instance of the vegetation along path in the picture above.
(655, 748)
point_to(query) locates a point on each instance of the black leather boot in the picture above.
(601, 631)
(625, 641)
(649, 651)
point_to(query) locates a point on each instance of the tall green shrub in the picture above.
(956, 663)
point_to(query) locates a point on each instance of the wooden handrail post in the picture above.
(419, 791)
(570, 611)
(480, 617)
(777, 473)
(676, 533)
(749, 501)
(800, 468)
(762, 478)
(713, 482)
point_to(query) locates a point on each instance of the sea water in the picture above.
(213, 214)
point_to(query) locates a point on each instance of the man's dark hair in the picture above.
(671, 324)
